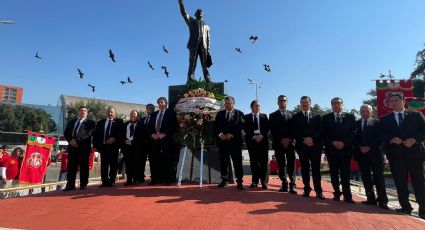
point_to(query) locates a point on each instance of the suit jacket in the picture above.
(280, 127)
(301, 129)
(116, 132)
(137, 135)
(234, 126)
(194, 29)
(369, 136)
(249, 129)
(84, 135)
(144, 132)
(168, 125)
(413, 126)
(345, 132)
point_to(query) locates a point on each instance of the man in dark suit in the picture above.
(107, 141)
(162, 126)
(338, 134)
(370, 158)
(228, 127)
(307, 128)
(131, 148)
(145, 143)
(256, 129)
(404, 134)
(78, 133)
(281, 130)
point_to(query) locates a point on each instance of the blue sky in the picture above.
(317, 48)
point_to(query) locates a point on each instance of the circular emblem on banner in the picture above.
(35, 160)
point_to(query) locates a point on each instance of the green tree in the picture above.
(419, 71)
(17, 118)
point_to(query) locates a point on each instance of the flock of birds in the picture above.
(81, 74)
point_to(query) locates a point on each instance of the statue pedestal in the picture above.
(191, 171)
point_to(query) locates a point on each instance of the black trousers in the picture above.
(286, 163)
(400, 168)
(131, 154)
(78, 158)
(311, 158)
(373, 167)
(258, 160)
(145, 151)
(161, 161)
(340, 167)
(193, 58)
(234, 151)
(108, 164)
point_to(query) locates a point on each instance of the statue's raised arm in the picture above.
(186, 16)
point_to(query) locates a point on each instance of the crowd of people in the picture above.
(400, 134)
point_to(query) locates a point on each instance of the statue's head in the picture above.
(199, 14)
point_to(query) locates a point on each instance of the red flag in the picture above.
(36, 158)
(385, 88)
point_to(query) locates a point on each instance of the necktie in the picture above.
(306, 117)
(338, 118)
(132, 129)
(76, 127)
(227, 115)
(108, 129)
(255, 122)
(147, 120)
(364, 124)
(400, 118)
(158, 122)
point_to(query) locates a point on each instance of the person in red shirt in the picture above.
(18, 153)
(354, 170)
(273, 166)
(9, 168)
(63, 157)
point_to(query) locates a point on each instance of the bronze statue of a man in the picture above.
(198, 44)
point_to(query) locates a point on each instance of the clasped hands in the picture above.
(225, 137)
(408, 142)
(158, 136)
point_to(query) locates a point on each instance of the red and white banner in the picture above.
(36, 158)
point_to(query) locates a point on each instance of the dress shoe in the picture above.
(383, 205)
(350, 201)
(240, 187)
(167, 183)
(283, 189)
(264, 186)
(292, 190)
(152, 182)
(84, 187)
(369, 202)
(253, 185)
(68, 189)
(306, 194)
(421, 213)
(336, 198)
(320, 196)
(223, 184)
(405, 211)
(128, 183)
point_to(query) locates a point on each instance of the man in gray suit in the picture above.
(198, 44)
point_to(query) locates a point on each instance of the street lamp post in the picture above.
(256, 87)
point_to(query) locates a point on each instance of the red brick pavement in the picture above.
(189, 207)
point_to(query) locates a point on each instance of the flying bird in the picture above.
(164, 49)
(36, 56)
(93, 88)
(122, 82)
(165, 71)
(129, 80)
(111, 55)
(239, 50)
(225, 81)
(254, 38)
(267, 68)
(80, 73)
(382, 75)
(150, 66)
